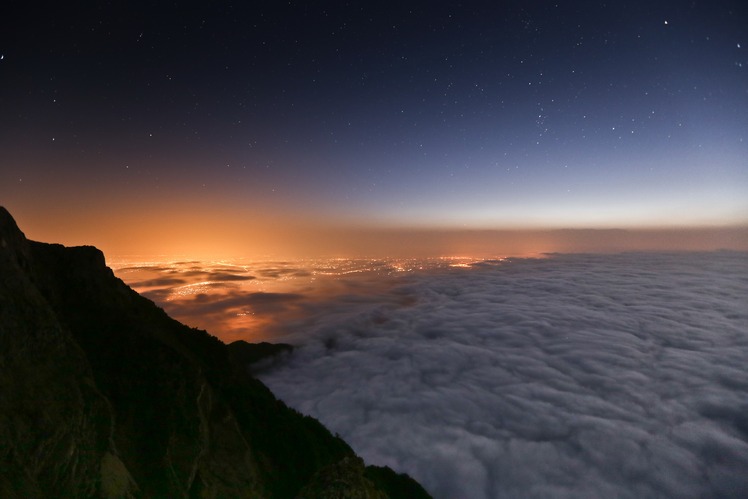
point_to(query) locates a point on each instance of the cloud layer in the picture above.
(572, 376)
(260, 300)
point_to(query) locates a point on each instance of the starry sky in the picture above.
(168, 127)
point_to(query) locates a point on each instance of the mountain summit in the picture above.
(103, 395)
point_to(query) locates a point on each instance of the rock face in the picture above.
(255, 357)
(343, 480)
(103, 395)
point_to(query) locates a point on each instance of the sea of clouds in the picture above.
(569, 376)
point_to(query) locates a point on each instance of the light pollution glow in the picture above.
(253, 300)
(210, 232)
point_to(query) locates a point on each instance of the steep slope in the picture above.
(102, 394)
(55, 425)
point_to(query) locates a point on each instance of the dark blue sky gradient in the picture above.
(474, 114)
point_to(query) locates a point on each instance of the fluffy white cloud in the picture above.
(577, 376)
(571, 376)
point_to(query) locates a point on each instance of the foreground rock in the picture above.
(255, 357)
(103, 395)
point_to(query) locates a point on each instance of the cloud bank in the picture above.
(572, 376)
(260, 300)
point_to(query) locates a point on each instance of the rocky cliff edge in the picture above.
(103, 395)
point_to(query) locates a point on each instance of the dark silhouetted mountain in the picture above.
(257, 356)
(103, 395)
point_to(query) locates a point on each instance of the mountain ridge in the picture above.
(104, 395)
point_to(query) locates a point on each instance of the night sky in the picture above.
(173, 126)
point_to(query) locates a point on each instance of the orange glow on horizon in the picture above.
(181, 230)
